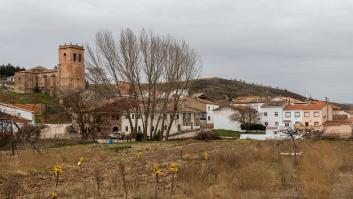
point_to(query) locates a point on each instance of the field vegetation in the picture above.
(180, 169)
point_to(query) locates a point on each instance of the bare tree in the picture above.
(157, 68)
(245, 115)
(81, 105)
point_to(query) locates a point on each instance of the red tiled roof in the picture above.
(14, 118)
(307, 106)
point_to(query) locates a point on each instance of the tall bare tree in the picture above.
(81, 105)
(157, 68)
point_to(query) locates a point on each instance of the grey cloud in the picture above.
(302, 45)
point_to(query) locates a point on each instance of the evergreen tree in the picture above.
(9, 70)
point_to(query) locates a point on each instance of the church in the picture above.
(68, 75)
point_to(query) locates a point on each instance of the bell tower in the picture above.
(71, 67)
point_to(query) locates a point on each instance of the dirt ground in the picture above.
(212, 169)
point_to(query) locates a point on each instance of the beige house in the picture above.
(70, 74)
(307, 115)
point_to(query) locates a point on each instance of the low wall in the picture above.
(57, 131)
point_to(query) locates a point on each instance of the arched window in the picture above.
(79, 57)
(65, 56)
(74, 57)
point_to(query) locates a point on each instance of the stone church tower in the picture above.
(71, 68)
(69, 75)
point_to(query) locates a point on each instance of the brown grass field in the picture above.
(232, 169)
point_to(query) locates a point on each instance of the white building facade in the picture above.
(18, 112)
(223, 119)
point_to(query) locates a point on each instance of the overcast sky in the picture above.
(303, 45)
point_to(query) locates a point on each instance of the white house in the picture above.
(223, 118)
(187, 118)
(272, 114)
(18, 112)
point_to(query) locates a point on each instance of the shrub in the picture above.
(206, 136)
(253, 127)
(156, 136)
(139, 136)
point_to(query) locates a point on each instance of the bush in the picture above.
(253, 127)
(206, 136)
(139, 136)
(156, 136)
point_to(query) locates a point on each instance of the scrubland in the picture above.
(214, 169)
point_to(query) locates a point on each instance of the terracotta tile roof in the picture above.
(274, 104)
(248, 99)
(14, 118)
(317, 105)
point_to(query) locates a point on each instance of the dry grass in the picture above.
(236, 169)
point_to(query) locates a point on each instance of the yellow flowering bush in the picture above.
(157, 171)
(80, 162)
(205, 156)
(57, 170)
(54, 195)
(173, 168)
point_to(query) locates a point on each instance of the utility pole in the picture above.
(327, 109)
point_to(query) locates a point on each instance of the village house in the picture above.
(310, 115)
(254, 102)
(23, 114)
(69, 75)
(186, 118)
(224, 118)
(272, 114)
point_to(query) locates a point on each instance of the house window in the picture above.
(138, 116)
(139, 128)
(179, 127)
(306, 123)
(79, 57)
(276, 114)
(171, 116)
(177, 116)
(265, 114)
(276, 123)
(266, 123)
(306, 114)
(74, 57)
(288, 115)
(316, 124)
(126, 128)
(115, 117)
(316, 114)
(165, 127)
(286, 124)
(297, 114)
(133, 116)
(209, 118)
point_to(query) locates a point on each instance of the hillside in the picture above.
(10, 97)
(218, 89)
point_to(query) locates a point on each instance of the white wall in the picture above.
(271, 117)
(210, 112)
(18, 112)
(222, 119)
(55, 131)
(174, 129)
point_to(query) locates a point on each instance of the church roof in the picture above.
(39, 69)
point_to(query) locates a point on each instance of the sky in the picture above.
(305, 46)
